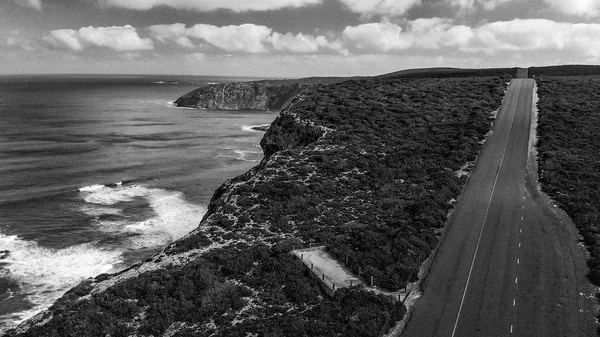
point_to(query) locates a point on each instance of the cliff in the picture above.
(271, 95)
(363, 167)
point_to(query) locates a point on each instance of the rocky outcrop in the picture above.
(271, 95)
(262, 95)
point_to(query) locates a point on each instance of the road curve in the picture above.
(508, 264)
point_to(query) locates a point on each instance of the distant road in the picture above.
(508, 265)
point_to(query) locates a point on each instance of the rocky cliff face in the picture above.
(261, 95)
(271, 95)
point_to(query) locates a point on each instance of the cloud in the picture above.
(67, 37)
(489, 38)
(123, 38)
(247, 38)
(211, 5)
(385, 36)
(37, 4)
(380, 7)
(585, 8)
(473, 4)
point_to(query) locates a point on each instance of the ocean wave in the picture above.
(251, 127)
(243, 155)
(173, 216)
(44, 274)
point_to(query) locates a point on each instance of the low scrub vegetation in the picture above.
(569, 161)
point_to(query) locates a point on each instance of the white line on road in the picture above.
(521, 218)
(462, 301)
(514, 302)
(522, 207)
(516, 280)
(511, 328)
(518, 261)
(521, 230)
(519, 245)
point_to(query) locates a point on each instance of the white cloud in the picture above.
(211, 5)
(586, 8)
(384, 36)
(247, 38)
(489, 38)
(123, 38)
(37, 4)
(472, 4)
(66, 37)
(303, 43)
(381, 7)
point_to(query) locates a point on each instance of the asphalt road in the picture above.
(508, 264)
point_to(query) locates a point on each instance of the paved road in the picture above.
(508, 265)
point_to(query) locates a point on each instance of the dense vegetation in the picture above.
(569, 161)
(567, 70)
(365, 167)
(449, 72)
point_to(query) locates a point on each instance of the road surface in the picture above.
(508, 264)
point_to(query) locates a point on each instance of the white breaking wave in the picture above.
(242, 155)
(45, 274)
(173, 217)
(251, 127)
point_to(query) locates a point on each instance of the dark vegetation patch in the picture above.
(569, 161)
(566, 70)
(449, 72)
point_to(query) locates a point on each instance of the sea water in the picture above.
(99, 172)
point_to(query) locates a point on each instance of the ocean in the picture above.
(100, 172)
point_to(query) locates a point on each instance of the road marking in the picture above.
(514, 302)
(521, 230)
(522, 207)
(511, 328)
(518, 261)
(462, 301)
(516, 280)
(521, 218)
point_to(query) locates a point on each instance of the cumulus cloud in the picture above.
(576, 7)
(37, 4)
(472, 4)
(248, 38)
(432, 33)
(211, 5)
(381, 7)
(123, 38)
(490, 38)
(536, 34)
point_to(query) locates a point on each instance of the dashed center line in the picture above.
(511, 328)
(521, 218)
(519, 245)
(518, 261)
(521, 230)
(516, 280)
(514, 302)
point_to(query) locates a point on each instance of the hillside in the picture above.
(367, 168)
(272, 95)
(564, 70)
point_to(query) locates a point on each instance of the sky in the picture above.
(292, 38)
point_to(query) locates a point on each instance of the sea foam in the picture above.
(172, 218)
(45, 274)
